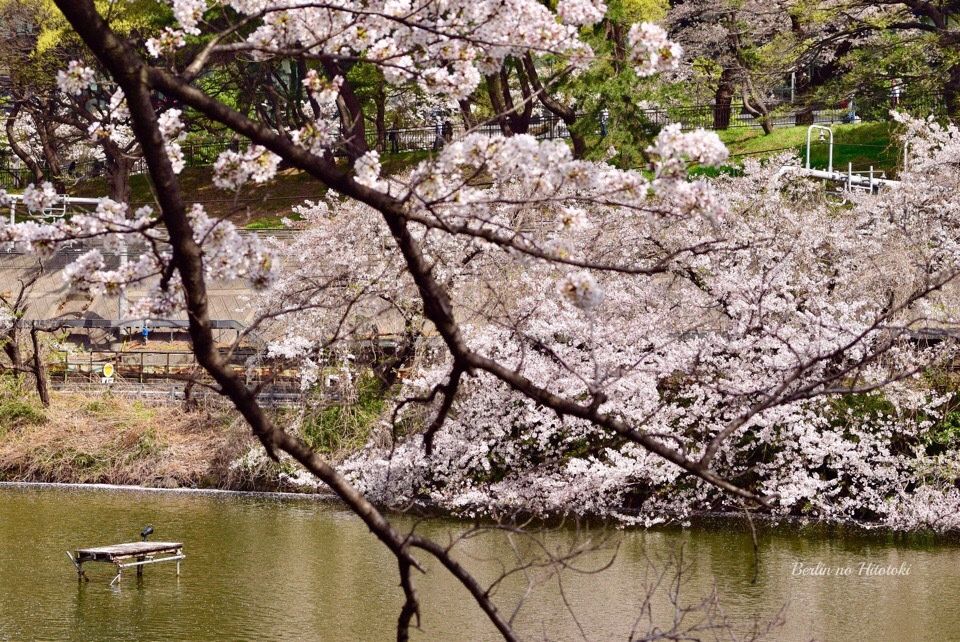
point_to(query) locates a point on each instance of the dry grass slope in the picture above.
(95, 438)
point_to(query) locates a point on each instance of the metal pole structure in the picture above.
(122, 300)
(822, 128)
(838, 177)
(843, 177)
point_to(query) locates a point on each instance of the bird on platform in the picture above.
(145, 532)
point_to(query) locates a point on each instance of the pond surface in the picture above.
(262, 567)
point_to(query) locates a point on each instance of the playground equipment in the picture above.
(58, 210)
(868, 181)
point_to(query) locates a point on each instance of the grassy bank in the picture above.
(861, 144)
(99, 438)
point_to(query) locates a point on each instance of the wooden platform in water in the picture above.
(120, 554)
(130, 549)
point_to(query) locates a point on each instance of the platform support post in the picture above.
(79, 564)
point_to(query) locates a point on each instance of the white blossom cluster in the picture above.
(582, 289)
(166, 43)
(114, 122)
(672, 147)
(233, 169)
(227, 255)
(367, 171)
(317, 136)
(581, 12)
(189, 13)
(76, 79)
(792, 293)
(38, 199)
(173, 132)
(652, 52)
(322, 90)
(446, 48)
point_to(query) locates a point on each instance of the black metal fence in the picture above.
(406, 139)
(855, 109)
(195, 155)
(205, 154)
(434, 136)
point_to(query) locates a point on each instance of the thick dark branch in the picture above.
(449, 393)
(411, 604)
(21, 153)
(566, 113)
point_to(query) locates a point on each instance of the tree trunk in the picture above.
(753, 103)
(119, 168)
(499, 114)
(802, 80)
(12, 348)
(756, 107)
(522, 117)
(804, 113)
(380, 102)
(723, 100)
(21, 153)
(564, 112)
(615, 33)
(49, 150)
(351, 112)
(39, 369)
(511, 118)
(190, 403)
(466, 110)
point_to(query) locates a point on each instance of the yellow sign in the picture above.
(108, 370)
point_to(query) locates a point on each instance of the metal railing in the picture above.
(168, 370)
(195, 155)
(205, 154)
(433, 136)
(874, 108)
(406, 139)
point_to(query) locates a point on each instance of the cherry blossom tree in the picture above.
(908, 42)
(579, 322)
(54, 122)
(747, 41)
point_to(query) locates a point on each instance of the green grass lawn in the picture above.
(257, 206)
(862, 144)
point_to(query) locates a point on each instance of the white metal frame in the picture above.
(865, 180)
(809, 133)
(63, 199)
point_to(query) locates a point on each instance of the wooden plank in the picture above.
(128, 549)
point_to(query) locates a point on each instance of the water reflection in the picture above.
(266, 568)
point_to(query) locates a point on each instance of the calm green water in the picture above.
(273, 568)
